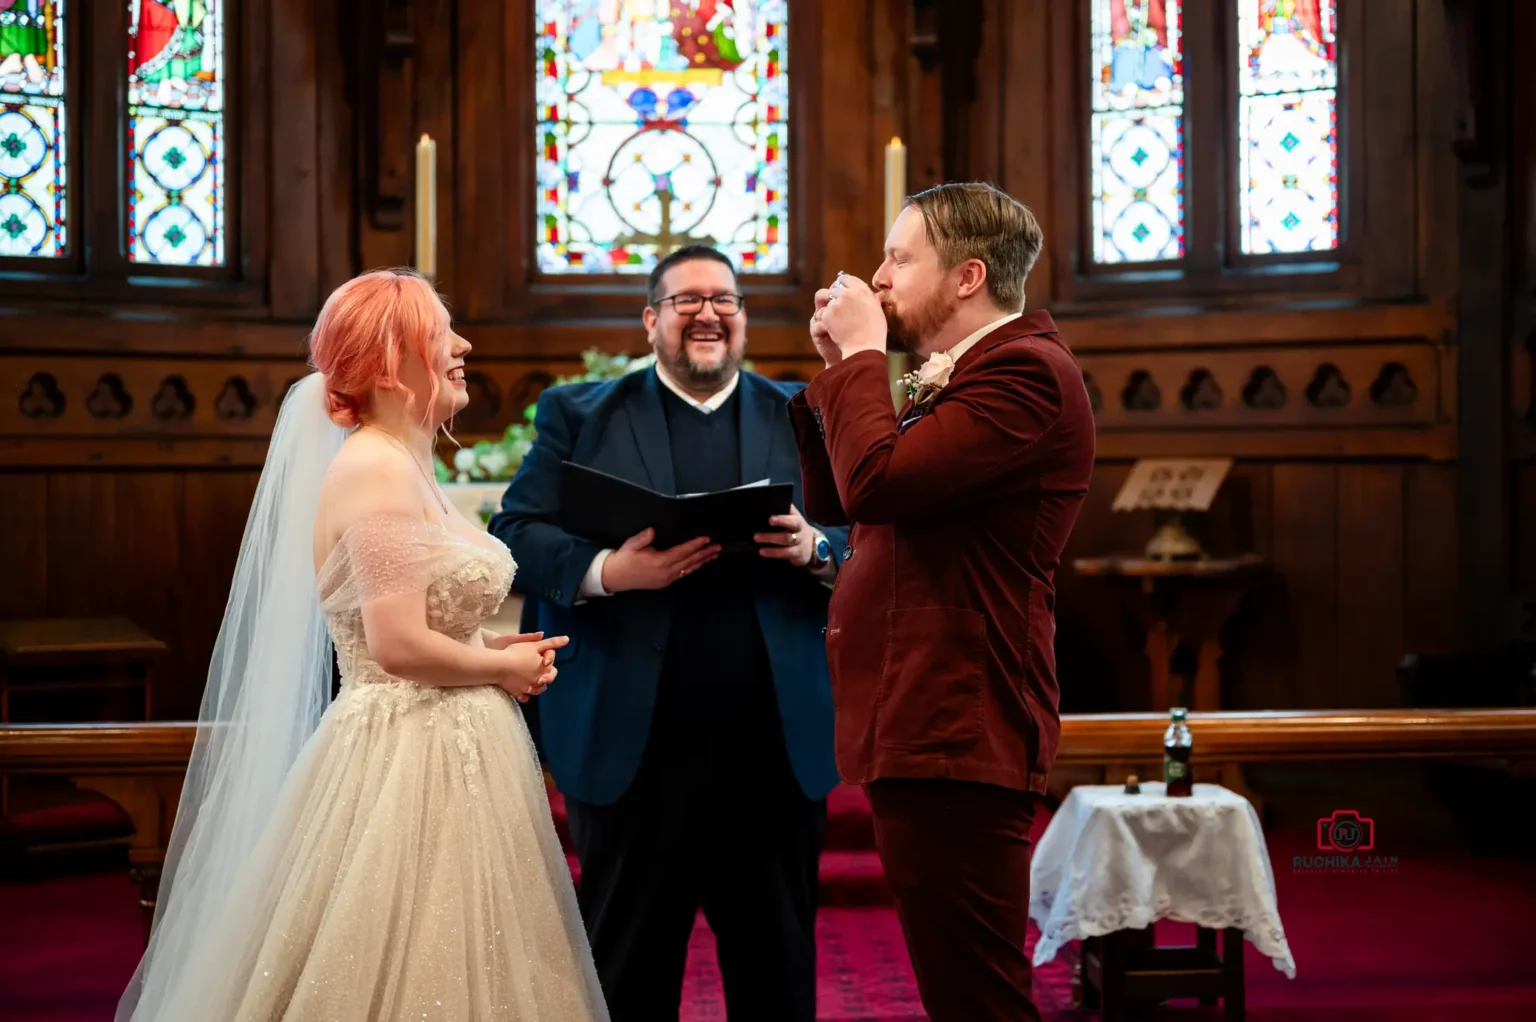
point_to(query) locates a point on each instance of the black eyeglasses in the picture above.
(692, 305)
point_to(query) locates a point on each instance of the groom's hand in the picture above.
(638, 565)
(825, 346)
(853, 317)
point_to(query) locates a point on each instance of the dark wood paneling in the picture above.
(255, 118)
(487, 134)
(850, 184)
(140, 571)
(1525, 539)
(1370, 575)
(105, 256)
(295, 279)
(1025, 127)
(211, 522)
(1389, 169)
(1431, 587)
(83, 544)
(336, 154)
(24, 522)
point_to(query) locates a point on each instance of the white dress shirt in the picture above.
(970, 342)
(592, 581)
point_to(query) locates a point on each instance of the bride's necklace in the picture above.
(431, 483)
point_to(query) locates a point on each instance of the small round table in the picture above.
(1111, 864)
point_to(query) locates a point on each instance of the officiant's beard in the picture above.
(696, 375)
(907, 328)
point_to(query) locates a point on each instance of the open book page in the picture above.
(743, 486)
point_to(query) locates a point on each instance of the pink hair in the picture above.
(363, 331)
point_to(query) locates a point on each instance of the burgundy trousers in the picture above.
(956, 856)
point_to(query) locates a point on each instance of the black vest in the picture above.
(716, 660)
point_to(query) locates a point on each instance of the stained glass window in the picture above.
(176, 143)
(33, 163)
(1288, 126)
(661, 123)
(1137, 131)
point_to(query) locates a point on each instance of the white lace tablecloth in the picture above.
(1111, 861)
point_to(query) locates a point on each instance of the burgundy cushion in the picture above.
(89, 818)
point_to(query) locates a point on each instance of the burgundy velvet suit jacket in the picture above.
(941, 632)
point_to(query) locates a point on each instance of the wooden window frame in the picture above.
(1375, 229)
(96, 267)
(526, 293)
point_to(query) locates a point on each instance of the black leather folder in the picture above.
(608, 510)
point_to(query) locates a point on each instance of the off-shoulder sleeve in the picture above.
(384, 556)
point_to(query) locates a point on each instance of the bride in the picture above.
(392, 856)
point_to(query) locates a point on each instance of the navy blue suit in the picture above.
(692, 776)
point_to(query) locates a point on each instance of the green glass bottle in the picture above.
(1178, 743)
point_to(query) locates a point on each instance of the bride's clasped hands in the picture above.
(529, 666)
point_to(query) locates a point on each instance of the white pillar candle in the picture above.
(426, 207)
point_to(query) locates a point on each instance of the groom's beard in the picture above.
(905, 330)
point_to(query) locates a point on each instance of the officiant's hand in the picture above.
(852, 316)
(638, 565)
(795, 544)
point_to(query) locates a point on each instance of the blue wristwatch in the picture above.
(821, 553)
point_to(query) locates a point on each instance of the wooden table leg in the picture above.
(147, 876)
(1205, 940)
(1112, 987)
(1233, 1000)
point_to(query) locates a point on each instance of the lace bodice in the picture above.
(465, 573)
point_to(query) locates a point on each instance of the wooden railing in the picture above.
(1086, 739)
(140, 766)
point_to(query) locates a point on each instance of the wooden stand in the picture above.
(1183, 603)
(53, 655)
(1123, 970)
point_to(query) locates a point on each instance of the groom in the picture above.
(941, 631)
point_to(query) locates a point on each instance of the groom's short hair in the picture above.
(973, 220)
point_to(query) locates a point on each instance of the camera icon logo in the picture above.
(1345, 830)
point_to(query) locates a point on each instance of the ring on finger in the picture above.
(794, 537)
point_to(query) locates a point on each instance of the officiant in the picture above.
(690, 727)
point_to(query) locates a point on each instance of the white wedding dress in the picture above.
(411, 868)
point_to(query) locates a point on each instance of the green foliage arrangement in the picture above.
(494, 460)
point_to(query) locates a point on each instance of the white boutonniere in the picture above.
(930, 377)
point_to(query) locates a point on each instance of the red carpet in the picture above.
(1441, 940)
